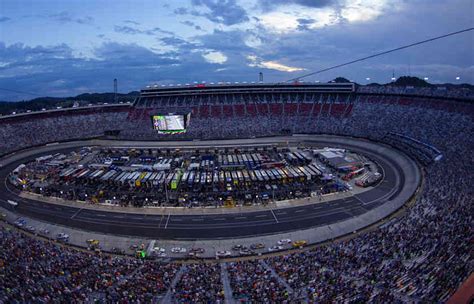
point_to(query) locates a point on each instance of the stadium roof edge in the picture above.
(51, 111)
(241, 88)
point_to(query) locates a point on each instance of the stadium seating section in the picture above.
(422, 256)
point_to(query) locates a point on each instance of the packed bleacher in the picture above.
(200, 283)
(441, 91)
(40, 128)
(252, 282)
(420, 257)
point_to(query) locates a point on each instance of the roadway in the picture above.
(210, 226)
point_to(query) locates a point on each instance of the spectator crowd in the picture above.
(423, 256)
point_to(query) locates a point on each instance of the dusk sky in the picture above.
(64, 48)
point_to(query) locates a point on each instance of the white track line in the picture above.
(77, 212)
(274, 216)
(167, 220)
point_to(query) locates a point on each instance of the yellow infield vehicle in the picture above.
(299, 244)
(92, 242)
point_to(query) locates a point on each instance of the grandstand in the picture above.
(422, 256)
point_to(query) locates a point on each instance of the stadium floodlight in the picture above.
(187, 84)
(317, 81)
(179, 84)
(212, 83)
(458, 78)
(253, 81)
(368, 78)
(195, 82)
(393, 78)
(203, 81)
(244, 81)
(163, 85)
(426, 78)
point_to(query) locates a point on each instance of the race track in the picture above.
(217, 226)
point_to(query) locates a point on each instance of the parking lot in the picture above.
(191, 178)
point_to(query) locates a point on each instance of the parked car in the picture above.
(44, 231)
(20, 222)
(223, 254)
(30, 228)
(284, 241)
(299, 244)
(197, 250)
(92, 242)
(63, 237)
(246, 252)
(178, 250)
(257, 246)
(275, 248)
(238, 247)
(159, 250)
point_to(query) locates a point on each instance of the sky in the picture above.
(65, 48)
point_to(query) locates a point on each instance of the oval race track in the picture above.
(230, 225)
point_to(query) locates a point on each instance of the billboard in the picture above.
(170, 123)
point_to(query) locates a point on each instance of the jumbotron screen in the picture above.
(170, 123)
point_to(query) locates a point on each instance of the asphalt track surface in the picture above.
(211, 226)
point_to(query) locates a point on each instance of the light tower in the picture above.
(260, 77)
(115, 90)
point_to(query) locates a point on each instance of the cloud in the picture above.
(292, 19)
(4, 19)
(285, 36)
(41, 69)
(124, 29)
(305, 24)
(271, 4)
(229, 41)
(291, 16)
(226, 12)
(66, 17)
(131, 22)
(215, 57)
(254, 61)
(55, 71)
(177, 42)
(192, 24)
(131, 55)
(18, 53)
(363, 10)
(127, 30)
